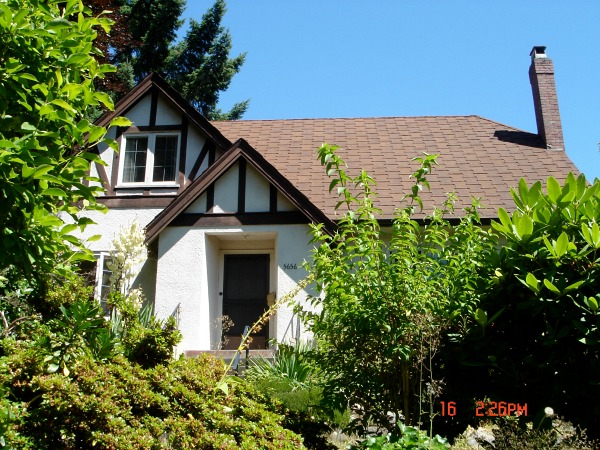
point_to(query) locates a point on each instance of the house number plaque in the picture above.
(290, 266)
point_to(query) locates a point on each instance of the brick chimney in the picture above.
(541, 76)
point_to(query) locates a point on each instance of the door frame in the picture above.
(272, 326)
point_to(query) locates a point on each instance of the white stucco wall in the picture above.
(189, 275)
(140, 113)
(257, 191)
(110, 225)
(166, 114)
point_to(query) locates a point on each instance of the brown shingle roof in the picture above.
(478, 157)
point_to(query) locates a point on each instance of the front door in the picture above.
(245, 289)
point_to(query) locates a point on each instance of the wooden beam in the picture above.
(241, 186)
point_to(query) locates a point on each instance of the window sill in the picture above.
(147, 186)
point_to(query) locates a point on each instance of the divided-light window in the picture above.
(150, 159)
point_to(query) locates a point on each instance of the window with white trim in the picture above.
(149, 159)
(98, 275)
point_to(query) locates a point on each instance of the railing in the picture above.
(238, 353)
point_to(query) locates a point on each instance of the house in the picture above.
(226, 205)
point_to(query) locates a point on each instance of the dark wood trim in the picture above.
(272, 198)
(200, 160)
(136, 201)
(157, 83)
(241, 186)
(210, 197)
(212, 155)
(205, 183)
(114, 175)
(153, 129)
(153, 107)
(183, 153)
(266, 218)
(103, 176)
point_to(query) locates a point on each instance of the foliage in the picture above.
(46, 82)
(121, 405)
(406, 437)
(152, 343)
(543, 347)
(79, 332)
(144, 339)
(384, 300)
(292, 379)
(126, 255)
(197, 66)
(289, 363)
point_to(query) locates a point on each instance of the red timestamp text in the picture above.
(488, 409)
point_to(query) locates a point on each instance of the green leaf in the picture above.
(505, 220)
(27, 171)
(54, 192)
(42, 170)
(27, 127)
(63, 105)
(551, 287)
(481, 317)
(596, 235)
(554, 189)
(591, 303)
(524, 227)
(96, 133)
(120, 122)
(574, 286)
(77, 59)
(532, 283)
(523, 191)
(223, 387)
(562, 244)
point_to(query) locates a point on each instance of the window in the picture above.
(150, 159)
(98, 275)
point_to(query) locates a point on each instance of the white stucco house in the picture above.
(226, 205)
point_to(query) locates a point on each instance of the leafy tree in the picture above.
(543, 347)
(47, 73)
(111, 45)
(386, 298)
(198, 66)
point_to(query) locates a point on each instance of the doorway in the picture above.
(245, 290)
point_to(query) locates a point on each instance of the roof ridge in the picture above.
(504, 125)
(297, 119)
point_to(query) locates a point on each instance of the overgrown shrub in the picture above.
(120, 405)
(542, 348)
(384, 301)
(292, 379)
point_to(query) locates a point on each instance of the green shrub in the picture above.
(292, 379)
(119, 405)
(542, 346)
(384, 299)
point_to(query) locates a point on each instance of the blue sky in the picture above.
(350, 58)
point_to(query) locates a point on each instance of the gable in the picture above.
(168, 145)
(241, 188)
(241, 179)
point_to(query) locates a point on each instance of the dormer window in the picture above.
(149, 159)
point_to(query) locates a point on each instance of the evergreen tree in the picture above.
(198, 66)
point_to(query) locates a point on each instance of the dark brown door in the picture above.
(245, 289)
